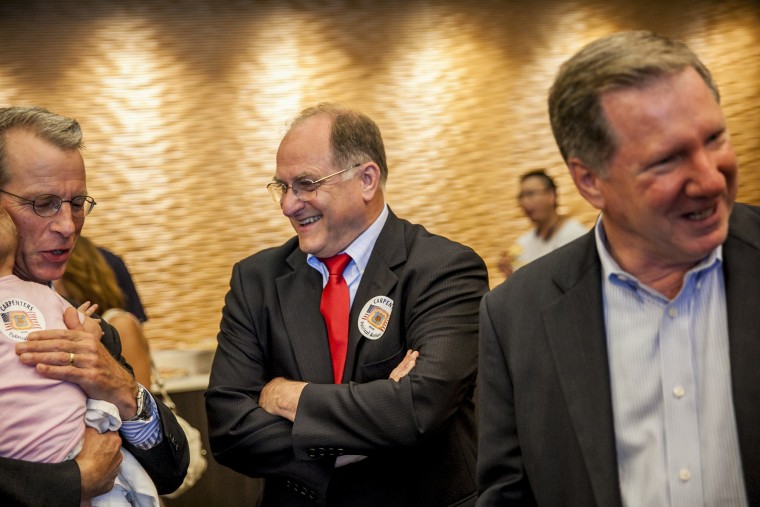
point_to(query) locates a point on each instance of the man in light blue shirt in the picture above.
(622, 369)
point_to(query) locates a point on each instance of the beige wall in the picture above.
(183, 104)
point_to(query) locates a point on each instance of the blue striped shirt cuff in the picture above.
(144, 434)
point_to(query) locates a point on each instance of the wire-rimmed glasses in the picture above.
(304, 188)
(47, 205)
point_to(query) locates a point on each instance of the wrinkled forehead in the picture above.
(294, 172)
(303, 158)
(36, 166)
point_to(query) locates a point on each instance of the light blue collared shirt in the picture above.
(675, 428)
(359, 250)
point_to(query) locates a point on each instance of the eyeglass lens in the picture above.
(48, 205)
(303, 189)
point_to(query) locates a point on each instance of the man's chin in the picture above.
(308, 246)
(44, 276)
(699, 248)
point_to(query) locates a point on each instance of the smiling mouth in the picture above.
(58, 252)
(310, 220)
(701, 215)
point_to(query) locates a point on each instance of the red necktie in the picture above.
(334, 308)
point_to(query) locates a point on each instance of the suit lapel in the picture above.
(741, 254)
(378, 280)
(575, 328)
(299, 293)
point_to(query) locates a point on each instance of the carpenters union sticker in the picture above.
(19, 318)
(375, 316)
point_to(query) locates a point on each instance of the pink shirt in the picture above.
(41, 419)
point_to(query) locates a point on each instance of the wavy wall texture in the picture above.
(183, 104)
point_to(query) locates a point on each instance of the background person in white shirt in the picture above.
(538, 200)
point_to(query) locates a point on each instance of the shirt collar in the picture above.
(612, 271)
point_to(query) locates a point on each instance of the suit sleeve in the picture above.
(33, 484)
(437, 297)
(243, 436)
(500, 470)
(166, 463)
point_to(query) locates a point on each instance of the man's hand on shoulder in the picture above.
(280, 397)
(75, 355)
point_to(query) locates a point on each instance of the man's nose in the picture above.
(706, 176)
(64, 221)
(289, 203)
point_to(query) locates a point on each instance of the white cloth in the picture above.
(133, 485)
(530, 246)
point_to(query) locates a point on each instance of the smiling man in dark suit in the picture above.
(361, 421)
(622, 369)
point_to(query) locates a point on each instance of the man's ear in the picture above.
(370, 180)
(587, 182)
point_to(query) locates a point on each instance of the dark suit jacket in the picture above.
(35, 484)
(546, 423)
(418, 433)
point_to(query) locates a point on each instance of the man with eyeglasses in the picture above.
(321, 395)
(43, 188)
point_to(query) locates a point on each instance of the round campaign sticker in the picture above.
(19, 318)
(374, 317)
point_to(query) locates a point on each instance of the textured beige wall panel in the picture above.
(183, 105)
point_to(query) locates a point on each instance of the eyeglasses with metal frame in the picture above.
(304, 188)
(47, 205)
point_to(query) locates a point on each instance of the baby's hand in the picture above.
(89, 324)
(88, 308)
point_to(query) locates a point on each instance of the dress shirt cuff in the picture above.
(144, 434)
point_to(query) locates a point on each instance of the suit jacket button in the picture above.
(312, 453)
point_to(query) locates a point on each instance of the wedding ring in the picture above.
(71, 359)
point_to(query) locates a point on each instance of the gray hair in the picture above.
(60, 131)
(355, 138)
(622, 60)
